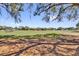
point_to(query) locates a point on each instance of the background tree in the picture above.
(77, 25)
(57, 11)
(59, 28)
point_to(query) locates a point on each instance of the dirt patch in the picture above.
(68, 47)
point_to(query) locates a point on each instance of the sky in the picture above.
(34, 22)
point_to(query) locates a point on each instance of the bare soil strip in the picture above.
(65, 46)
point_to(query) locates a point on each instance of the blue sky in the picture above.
(35, 21)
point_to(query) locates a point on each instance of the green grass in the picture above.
(35, 34)
(26, 32)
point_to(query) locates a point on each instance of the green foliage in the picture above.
(53, 9)
(14, 10)
(77, 25)
(60, 10)
(60, 28)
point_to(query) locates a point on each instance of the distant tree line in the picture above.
(7, 28)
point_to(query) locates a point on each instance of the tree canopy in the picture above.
(57, 11)
(77, 25)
